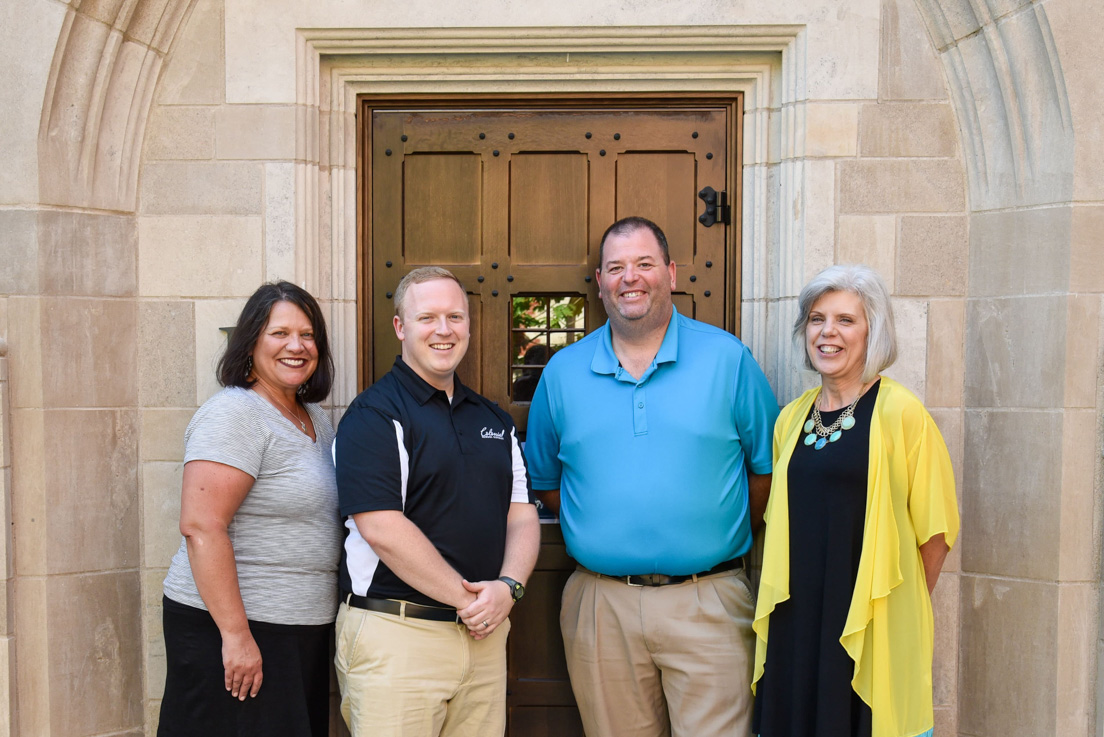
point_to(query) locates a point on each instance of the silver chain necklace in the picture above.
(302, 423)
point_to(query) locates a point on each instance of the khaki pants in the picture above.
(405, 677)
(661, 661)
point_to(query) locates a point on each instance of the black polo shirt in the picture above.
(452, 469)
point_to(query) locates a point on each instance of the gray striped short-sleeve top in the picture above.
(286, 533)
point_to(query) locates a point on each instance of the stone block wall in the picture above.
(75, 503)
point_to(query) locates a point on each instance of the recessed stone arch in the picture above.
(101, 85)
(1009, 92)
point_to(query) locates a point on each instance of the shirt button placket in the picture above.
(464, 443)
(640, 415)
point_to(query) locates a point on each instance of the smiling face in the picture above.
(634, 283)
(835, 337)
(285, 355)
(434, 330)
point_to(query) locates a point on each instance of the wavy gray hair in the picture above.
(864, 282)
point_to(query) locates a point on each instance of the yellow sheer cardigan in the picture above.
(910, 498)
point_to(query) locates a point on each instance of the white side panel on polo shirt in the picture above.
(519, 494)
(362, 560)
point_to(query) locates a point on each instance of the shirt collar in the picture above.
(605, 360)
(422, 390)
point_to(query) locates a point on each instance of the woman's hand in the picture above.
(241, 662)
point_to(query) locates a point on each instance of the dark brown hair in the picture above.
(233, 367)
(627, 226)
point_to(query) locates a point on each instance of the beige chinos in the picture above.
(632, 651)
(406, 677)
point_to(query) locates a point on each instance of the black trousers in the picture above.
(294, 696)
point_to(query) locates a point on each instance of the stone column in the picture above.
(7, 633)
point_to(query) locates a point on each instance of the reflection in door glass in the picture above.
(540, 325)
(526, 343)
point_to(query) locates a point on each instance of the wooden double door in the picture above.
(513, 199)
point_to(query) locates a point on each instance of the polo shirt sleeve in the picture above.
(372, 462)
(542, 442)
(754, 411)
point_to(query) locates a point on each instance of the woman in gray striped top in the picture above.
(251, 594)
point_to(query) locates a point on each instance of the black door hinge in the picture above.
(717, 209)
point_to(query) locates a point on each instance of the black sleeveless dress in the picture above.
(806, 688)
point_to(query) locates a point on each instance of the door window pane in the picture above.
(540, 325)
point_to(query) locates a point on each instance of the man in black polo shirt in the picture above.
(442, 535)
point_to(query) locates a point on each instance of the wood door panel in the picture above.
(545, 721)
(684, 303)
(471, 368)
(541, 655)
(385, 229)
(441, 208)
(556, 279)
(548, 208)
(661, 187)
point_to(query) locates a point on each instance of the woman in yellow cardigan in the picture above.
(861, 515)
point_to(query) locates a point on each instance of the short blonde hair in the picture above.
(420, 276)
(863, 282)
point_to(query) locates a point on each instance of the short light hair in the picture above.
(863, 282)
(420, 276)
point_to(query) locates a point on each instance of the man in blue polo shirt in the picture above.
(652, 439)
(442, 534)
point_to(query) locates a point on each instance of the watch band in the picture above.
(516, 589)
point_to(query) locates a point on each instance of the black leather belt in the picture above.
(661, 579)
(391, 606)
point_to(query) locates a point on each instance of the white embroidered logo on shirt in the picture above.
(485, 433)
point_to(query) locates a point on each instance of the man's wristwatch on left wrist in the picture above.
(516, 589)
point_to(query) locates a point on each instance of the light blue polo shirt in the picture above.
(653, 474)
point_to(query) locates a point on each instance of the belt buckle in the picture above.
(629, 581)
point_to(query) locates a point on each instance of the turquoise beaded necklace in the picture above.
(819, 435)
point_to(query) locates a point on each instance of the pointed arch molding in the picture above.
(1009, 94)
(98, 96)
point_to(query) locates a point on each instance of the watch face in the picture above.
(516, 589)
